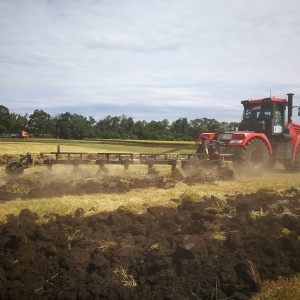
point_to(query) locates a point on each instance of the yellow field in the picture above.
(35, 146)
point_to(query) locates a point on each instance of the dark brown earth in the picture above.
(213, 249)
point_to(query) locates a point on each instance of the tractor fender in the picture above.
(210, 137)
(242, 138)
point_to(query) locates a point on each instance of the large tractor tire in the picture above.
(254, 157)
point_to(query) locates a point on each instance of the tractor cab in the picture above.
(264, 116)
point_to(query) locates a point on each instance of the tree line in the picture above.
(75, 126)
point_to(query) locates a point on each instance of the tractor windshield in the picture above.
(257, 112)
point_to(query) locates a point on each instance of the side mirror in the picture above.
(299, 111)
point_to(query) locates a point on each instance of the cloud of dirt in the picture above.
(68, 180)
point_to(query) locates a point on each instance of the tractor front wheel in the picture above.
(254, 157)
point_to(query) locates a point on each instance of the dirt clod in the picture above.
(198, 250)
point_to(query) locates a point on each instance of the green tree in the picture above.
(72, 126)
(63, 126)
(20, 122)
(139, 130)
(119, 127)
(212, 125)
(6, 120)
(181, 130)
(197, 126)
(80, 126)
(126, 126)
(91, 130)
(153, 131)
(232, 126)
(41, 124)
(160, 130)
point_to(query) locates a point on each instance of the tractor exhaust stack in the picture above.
(290, 109)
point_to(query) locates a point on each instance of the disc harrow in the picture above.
(125, 159)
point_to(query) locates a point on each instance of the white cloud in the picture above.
(181, 55)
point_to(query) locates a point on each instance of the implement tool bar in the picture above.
(126, 158)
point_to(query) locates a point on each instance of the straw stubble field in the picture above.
(143, 236)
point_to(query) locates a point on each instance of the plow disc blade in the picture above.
(14, 168)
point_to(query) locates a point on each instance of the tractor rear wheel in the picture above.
(14, 168)
(254, 157)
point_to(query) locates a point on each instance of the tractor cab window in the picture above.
(257, 112)
(278, 118)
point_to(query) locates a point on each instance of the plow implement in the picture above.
(104, 159)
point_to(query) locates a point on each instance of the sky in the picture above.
(149, 60)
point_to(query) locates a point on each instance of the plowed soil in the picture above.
(44, 185)
(212, 249)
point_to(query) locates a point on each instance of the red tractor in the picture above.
(265, 135)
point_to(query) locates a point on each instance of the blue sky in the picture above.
(150, 60)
